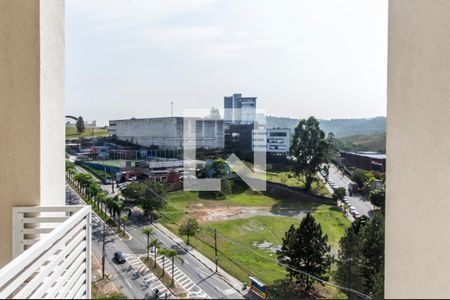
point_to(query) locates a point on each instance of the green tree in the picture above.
(80, 125)
(164, 252)
(147, 231)
(306, 249)
(156, 245)
(332, 146)
(214, 113)
(309, 150)
(360, 177)
(171, 254)
(361, 257)
(152, 198)
(349, 259)
(189, 228)
(220, 168)
(102, 200)
(339, 193)
(226, 186)
(124, 220)
(133, 190)
(148, 195)
(372, 251)
(378, 198)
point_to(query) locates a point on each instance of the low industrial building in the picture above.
(370, 161)
(168, 132)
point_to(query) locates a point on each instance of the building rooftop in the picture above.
(368, 154)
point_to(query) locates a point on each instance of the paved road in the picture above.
(199, 280)
(206, 283)
(135, 281)
(362, 205)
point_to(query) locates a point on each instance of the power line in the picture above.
(350, 290)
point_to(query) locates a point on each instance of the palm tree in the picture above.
(78, 178)
(147, 231)
(70, 174)
(102, 199)
(92, 190)
(120, 206)
(109, 205)
(164, 253)
(171, 254)
(83, 181)
(117, 206)
(124, 219)
(155, 244)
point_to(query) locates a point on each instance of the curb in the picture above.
(201, 258)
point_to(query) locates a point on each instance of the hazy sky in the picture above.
(130, 58)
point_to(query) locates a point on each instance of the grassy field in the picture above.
(71, 132)
(240, 239)
(317, 188)
(113, 162)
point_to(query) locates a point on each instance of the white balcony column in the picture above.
(32, 109)
(418, 150)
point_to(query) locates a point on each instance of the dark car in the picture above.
(118, 256)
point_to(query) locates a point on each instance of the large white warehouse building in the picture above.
(168, 132)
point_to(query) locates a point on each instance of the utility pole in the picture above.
(215, 247)
(103, 252)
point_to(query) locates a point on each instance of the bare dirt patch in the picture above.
(224, 213)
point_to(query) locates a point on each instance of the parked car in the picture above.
(352, 209)
(118, 256)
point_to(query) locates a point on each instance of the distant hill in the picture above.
(373, 142)
(340, 127)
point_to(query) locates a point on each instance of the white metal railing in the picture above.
(52, 246)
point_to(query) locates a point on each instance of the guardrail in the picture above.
(53, 254)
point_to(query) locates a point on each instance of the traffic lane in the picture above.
(206, 279)
(125, 278)
(114, 275)
(124, 274)
(363, 206)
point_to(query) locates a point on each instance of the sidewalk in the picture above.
(236, 284)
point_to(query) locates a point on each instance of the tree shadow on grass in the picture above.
(283, 289)
(291, 205)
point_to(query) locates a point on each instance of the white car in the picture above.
(352, 209)
(346, 201)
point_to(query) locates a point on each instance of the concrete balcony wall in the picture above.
(418, 150)
(32, 109)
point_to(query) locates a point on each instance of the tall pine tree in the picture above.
(80, 125)
(361, 257)
(349, 273)
(305, 249)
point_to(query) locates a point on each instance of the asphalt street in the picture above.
(133, 282)
(205, 279)
(362, 205)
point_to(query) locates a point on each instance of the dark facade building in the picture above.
(370, 161)
(238, 139)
